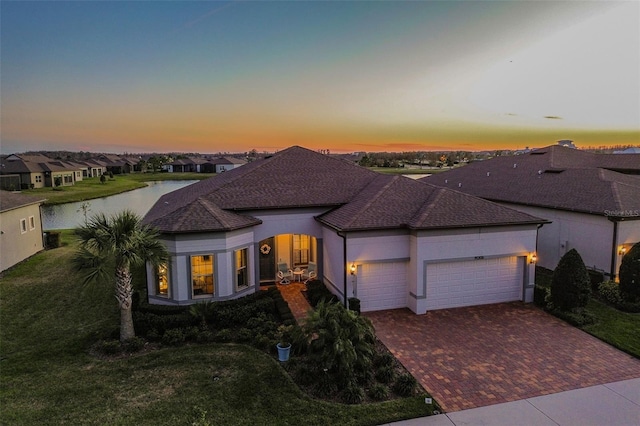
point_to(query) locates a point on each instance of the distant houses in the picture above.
(36, 170)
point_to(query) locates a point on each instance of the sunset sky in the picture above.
(233, 76)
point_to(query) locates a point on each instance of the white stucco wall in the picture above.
(287, 221)
(16, 245)
(332, 254)
(590, 235)
(467, 244)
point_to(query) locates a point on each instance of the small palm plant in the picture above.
(109, 247)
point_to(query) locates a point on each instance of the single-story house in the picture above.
(20, 228)
(592, 200)
(390, 241)
(39, 171)
(221, 164)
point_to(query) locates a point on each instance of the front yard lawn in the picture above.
(617, 328)
(48, 322)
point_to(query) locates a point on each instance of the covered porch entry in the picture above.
(291, 252)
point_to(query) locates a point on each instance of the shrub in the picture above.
(609, 292)
(173, 337)
(630, 274)
(379, 392)
(317, 292)
(385, 374)
(223, 336)
(405, 385)
(204, 336)
(384, 359)
(540, 294)
(595, 277)
(354, 304)
(53, 239)
(244, 335)
(340, 341)
(570, 284)
(134, 344)
(353, 394)
(202, 311)
(109, 347)
(577, 317)
(325, 385)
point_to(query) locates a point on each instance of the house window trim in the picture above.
(309, 251)
(213, 275)
(32, 223)
(156, 282)
(23, 225)
(245, 267)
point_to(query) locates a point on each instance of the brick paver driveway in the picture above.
(483, 355)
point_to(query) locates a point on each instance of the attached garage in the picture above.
(474, 282)
(382, 285)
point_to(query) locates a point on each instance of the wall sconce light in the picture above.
(352, 268)
(533, 258)
(622, 251)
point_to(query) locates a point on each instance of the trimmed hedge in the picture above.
(570, 284)
(317, 291)
(630, 275)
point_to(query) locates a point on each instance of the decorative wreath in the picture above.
(265, 249)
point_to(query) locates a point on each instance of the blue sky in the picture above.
(345, 76)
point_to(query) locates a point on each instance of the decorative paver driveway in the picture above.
(483, 355)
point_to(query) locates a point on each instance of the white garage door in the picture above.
(382, 286)
(474, 282)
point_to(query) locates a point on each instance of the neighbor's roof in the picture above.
(359, 199)
(553, 177)
(13, 200)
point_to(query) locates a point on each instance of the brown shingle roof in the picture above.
(14, 200)
(298, 177)
(552, 177)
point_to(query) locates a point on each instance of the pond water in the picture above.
(71, 215)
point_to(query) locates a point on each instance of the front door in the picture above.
(267, 252)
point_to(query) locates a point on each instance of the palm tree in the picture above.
(109, 247)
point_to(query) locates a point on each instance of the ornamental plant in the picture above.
(570, 283)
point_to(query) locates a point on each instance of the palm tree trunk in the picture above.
(124, 292)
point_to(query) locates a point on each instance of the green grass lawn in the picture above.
(49, 320)
(619, 329)
(90, 188)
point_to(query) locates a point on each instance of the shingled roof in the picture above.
(553, 177)
(358, 199)
(13, 200)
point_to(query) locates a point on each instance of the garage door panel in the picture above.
(474, 282)
(382, 286)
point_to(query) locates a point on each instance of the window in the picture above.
(202, 275)
(68, 178)
(162, 280)
(38, 178)
(300, 249)
(23, 226)
(242, 277)
(32, 223)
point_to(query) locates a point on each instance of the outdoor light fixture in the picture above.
(622, 251)
(353, 269)
(533, 259)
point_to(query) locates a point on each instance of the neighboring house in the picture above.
(221, 164)
(183, 165)
(117, 164)
(391, 241)
(20, 228)
(39, 171)
(592, 200)
(93, 168)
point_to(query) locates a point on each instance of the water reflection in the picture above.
(71, 215)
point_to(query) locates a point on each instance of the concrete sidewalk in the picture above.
(612, 404)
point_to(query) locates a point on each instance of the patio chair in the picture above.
(311, 272)
(284, 273)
